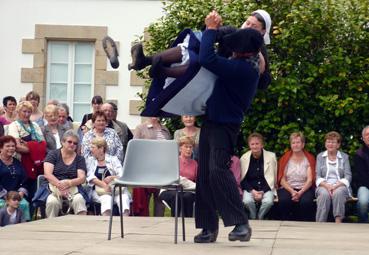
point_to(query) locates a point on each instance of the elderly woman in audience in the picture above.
(63, 116)
(52, 131)
(36, 116)
(66, 172)
(10, 104)
(189, 130)
(30, 144)
(296, 175)
(361, 162)
(102, 169)
(96, 103)
(333, 178)
(258, 175)
(188, 173)
(12, 175)
(99, 122)
(150, 129)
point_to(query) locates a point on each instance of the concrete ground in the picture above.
(150, 236)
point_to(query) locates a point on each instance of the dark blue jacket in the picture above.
(235, 87)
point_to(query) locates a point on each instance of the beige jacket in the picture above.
(270, 168)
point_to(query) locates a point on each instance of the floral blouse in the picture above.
(115, 147)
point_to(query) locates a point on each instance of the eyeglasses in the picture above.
(71, 142)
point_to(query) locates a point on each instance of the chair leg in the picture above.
(182, 212)
(176, 217)
(121, 212)
(111, 213)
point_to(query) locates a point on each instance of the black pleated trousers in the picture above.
(216, 188)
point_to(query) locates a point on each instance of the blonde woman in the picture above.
(102, 169)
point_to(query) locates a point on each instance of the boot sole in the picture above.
(111, 51)
(244, 238)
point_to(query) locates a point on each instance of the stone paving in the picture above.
(154, 236)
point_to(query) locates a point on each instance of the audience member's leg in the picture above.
(188, 200)
(249, 202)
(362, 203)
(53, 206)
(284, 204)
(105, 202)
(323, 203)
(126, 203)
(339, 198)
(79, 204)
(169, 197)
(24, 206)
(159, 207)
(305, 211)
(266, 204)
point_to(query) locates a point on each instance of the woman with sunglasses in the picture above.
(12, 175)
(66, 171)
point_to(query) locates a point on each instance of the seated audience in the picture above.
(361, 163)
(30, 145)
(189, 130)
(10, 104)
(296, 175)
(333, 177)
(11, 214)
(65, 172)
(99, 122)
(12, 175)
(150, 129)
(102, 169)
(52, 131)
(36, 116)
(258, 175)
(188, 173)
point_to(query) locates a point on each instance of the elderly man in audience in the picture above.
(63, 116)
(52, 131)
(361, 162)
(258, 175)
(121, 128)
(66, 172)
(99, 122)
(333, 177)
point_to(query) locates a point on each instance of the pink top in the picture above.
(188, 168)
(236, 170)
(4, 121)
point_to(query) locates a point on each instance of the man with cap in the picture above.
(233, 92)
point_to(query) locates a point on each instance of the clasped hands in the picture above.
(213, 20)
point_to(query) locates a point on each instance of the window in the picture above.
(70, 75)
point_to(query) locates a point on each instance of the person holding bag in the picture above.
(66, 172)
(102, 169)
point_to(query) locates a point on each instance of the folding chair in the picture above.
(150, 164)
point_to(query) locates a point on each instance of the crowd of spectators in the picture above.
(79, 160)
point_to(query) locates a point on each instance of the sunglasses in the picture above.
(71, 142)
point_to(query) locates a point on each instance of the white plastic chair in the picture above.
(150, 164)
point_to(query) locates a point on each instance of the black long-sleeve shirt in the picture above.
(255, 178)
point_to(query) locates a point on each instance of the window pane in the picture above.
(58, 92)
(59, 73)
(79, 110)
(59, 52)
(82, 93)
(82, 73)
(84, 53)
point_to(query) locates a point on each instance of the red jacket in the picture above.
(282, 163)
(33, 161)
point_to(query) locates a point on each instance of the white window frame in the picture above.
(71, 73)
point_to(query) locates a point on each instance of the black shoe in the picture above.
(240, 233)
(206, 236)
(139, 60)
(111, 51)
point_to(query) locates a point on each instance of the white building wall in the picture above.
(125, 19)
